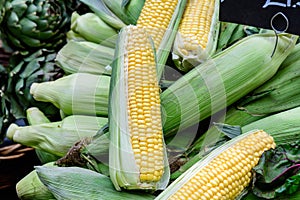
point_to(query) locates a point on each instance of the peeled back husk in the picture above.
(185, 58)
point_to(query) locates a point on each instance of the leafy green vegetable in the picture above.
(15, 82)
(278, 172)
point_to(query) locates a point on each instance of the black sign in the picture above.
(279, 15)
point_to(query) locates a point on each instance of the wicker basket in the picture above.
(16, 161)
(13, 161)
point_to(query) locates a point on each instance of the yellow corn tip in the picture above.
(195, 24)
(155, 18)
(144, 106)
(229, 173)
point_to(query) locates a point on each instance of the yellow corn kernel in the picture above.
(196, 24)
(146, 134)
(155, 18)
(228, 182)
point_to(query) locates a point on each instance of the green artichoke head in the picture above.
(29, 25)
(15, 82)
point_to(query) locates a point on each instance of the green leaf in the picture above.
(230, 131)
(276, 171)
(291, 185)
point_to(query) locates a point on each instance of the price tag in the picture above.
(279, 15)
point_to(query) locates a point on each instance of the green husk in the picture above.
(284, 126)
(164, 49)
(56, 137)
(271, 97)
(30, 187)
(78, 93)
(92, 28)
(100, 9)
(69, 183)
(34, 117)
(85, 57)
(222, 80)
(128, 13)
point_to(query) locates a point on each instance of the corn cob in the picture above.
(85, 57)
(283, 127)
(90, 27)
(161, 19)
(137, 156)
(224, 173)
(56, 137)
(197, 35)
(69, 183)
(271, 97)
(30, 187)
(34, 117)
(75, 94)
(222, 80)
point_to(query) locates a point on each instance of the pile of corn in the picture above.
(124, 122)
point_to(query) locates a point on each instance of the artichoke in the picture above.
(29, 25)
(16, 80)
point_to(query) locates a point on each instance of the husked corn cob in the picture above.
(197, 33)
(224, 173)
(155, 18)
(137, 152)
(161, 19)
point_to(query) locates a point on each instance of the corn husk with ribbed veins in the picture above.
(56, 137)
(92, 28)
(271, 97)
(30, 187)
(100, 9)
(74, 94)
(128, 13)
(35, 116)
(85, 57)
(69, 183)
(224, 79)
